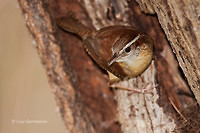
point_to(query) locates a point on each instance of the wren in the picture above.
(122, 51)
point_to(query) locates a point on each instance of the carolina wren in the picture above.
(121, 50)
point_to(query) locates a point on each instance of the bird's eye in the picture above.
(128, 49)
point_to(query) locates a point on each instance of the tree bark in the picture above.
(81, 88)
(180, 19)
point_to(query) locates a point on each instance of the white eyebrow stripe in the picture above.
(129, 44)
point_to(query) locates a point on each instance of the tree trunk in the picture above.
(81, 88)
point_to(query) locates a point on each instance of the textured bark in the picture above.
(180, 20)
(81, 88)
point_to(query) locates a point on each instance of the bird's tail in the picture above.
(71, 24)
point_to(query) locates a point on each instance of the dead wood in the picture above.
(81, 90)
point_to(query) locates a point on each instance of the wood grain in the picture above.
(81, 88)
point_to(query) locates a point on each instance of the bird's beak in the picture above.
(113, 59)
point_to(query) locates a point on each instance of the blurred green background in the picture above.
(24, 90)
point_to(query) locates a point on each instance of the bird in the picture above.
(123, 51)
